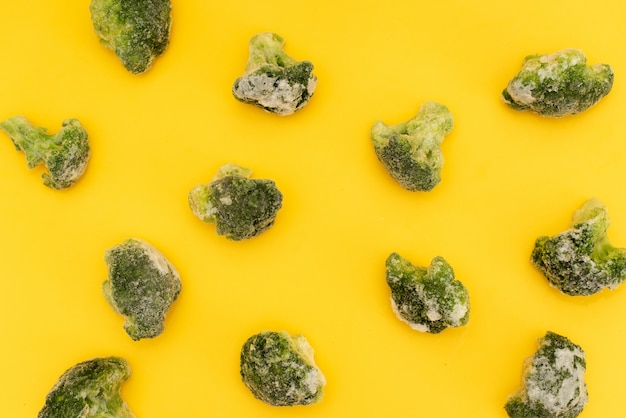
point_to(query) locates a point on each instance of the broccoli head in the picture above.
(64, 154)
(279, 369)
(137, 31)
(558, 84)
(239, 206)
(272, 79)
(411, 151)
(427, 299)
(89, 389)
(581, 260)
(553, 384)
(142, 285)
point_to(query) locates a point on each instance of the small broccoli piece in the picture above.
(142, 285)
(280, 370)
(89, 389)
(427, 299)
(64, 154)
(138, 31)
(240, 207)
(272, 79)
(411, 151)
(553, 384)
(558, 84)
(581, 260)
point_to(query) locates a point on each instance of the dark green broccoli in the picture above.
(581, 260)
(137, 31)
(64, 154)
(89, 389)
(280, 370)
(142, 285)
(411, 151)
(239, 206)
(558, 84)
(272, 79)
(553, 384)
(427, 299)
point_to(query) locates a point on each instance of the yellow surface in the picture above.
(508, 177)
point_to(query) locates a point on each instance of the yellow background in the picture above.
(508, 178)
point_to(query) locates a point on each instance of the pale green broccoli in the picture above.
(272, 80)
(558, 84)
(64, 154)
(581, 260)
(138, 31)
(141, 286)
(280, 370)
(411, 151)
(553, 384)
(427, 299)
(89, 389)
(239, 206)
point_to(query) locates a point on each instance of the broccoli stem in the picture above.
(267, 48)
(33, 141)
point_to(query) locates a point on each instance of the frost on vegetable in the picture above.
(272, 80)
(411, 151)
(558, 84)
(427, 299)
(279, 369)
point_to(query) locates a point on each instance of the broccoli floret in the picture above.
(581, 260)
(137, 31)
(142, 285)
(239, 206)
(553, 384)
(280, 370)
(89, 389)
(64, 154)
(558, 84)
(427, 299)
(411, 151)
(272, 79)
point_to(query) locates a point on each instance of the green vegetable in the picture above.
(142, 285)
(138, 31)
(279, 369)
(427, 299)
(64, 154)
(411, 151)
(272, 79)
(558, 84)
(89, 389)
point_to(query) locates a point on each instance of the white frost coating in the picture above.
(458, 312)
(414, 325)
(522, 92)
(279, 96)
(156, 258)
(226, 200)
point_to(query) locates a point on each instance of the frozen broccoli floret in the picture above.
(581, 260)
(411, 151)
(64, 154)
(427, 299)
(138, 31)
(558, 84)
(142, 285)
(553, 384)
(89, 389)
(280, 370)
(239, 206)
(272, 79)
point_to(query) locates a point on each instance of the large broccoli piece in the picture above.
(272, 79)
(581, 260)
(64, 154)
(142, 285)
(137, 31)
(411, 151)
(239, 206)
(558, 84)
(89, 389)
(279, 369)
(553, 384)
(427, 299)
